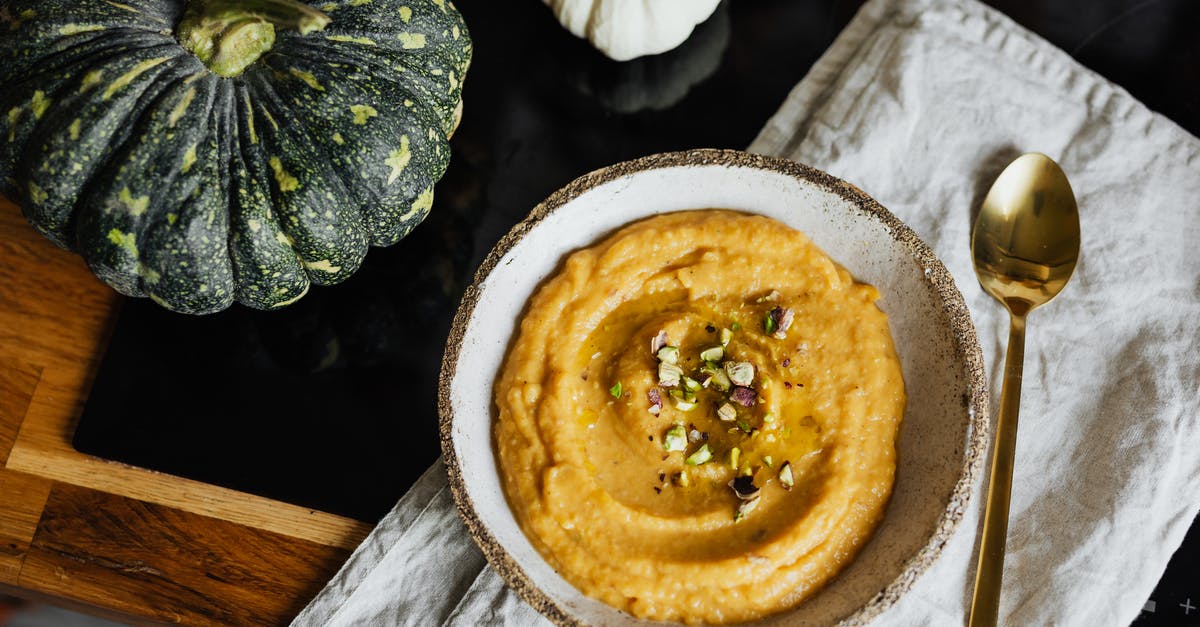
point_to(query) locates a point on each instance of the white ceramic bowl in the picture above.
(942, 439)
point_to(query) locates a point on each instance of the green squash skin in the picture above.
(57, 25)
(446, 45)
(52, 169)
(58, 78)
(198, 190)
(309, 200)
(415, 152)
(269, 273)
(158, 224)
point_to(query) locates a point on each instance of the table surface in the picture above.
(227, 508)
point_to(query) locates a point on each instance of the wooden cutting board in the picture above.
(113, 539)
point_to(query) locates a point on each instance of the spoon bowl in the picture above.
(1026, 238)
(1025, 246)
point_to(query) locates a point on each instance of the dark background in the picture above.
(330, 403)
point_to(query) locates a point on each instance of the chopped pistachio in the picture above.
(768, 462)
(696, 435)
(744, 509)
(657, 342)
(726, 335)
(727, 412)
(682, 480)
(675, 439)
(740, 372)
(655, 399)
(746, 470)
(720, 380)
(734, 454)
(735, 326)
(615, 390)
(781, 320)
(768, 419)
(669, 375)
(702, 455)
(714, 353)
(769, 297)
(743, 396)
(743, 425)
(684, 400)
(684, 404)
(668, 354)
(690, 383)
(744, 488)
(704, 378)
(768, 324)
(785, 476)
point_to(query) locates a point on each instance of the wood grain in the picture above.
(17, 382)
(131, 555)
(43, 448)
(24, 496)
(109, 538)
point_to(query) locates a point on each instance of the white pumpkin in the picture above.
(626, 29)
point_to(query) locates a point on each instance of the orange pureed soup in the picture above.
(697, 421)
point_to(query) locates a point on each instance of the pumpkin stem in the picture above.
(229, 35)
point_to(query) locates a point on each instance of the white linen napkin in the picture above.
(921, 103)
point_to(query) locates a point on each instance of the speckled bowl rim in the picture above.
(966, 349)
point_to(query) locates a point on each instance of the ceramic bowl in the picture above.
(942, 438)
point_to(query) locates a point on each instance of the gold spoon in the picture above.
(1025, 245)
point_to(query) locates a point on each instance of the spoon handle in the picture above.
(985, 606)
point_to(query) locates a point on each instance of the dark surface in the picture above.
(330, 404)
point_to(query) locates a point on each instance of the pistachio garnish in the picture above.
(681, 479)
(655, 399)
(727, 412)
(690, 383)
(720, 380)
(785, 476)
(668, 354)
(703, 378)
(771, 296)
(675, 439)
(713, 353)
(744, 426)
(744, 488)
(726, 335)
(740, 372)
(615, 390)
(669, 375)
(702, 455)
(768, 462)
(657, 342)
(743, 396)
(684, 400)
(734, 454)
(781, 320)
(696, 435)
(744, 508)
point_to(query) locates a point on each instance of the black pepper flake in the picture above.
(710, 328)
(787, 361)
(657, 490)
(662, 476)
(787, 384)
(651, 438)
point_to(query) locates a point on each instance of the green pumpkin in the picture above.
(205, 151)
